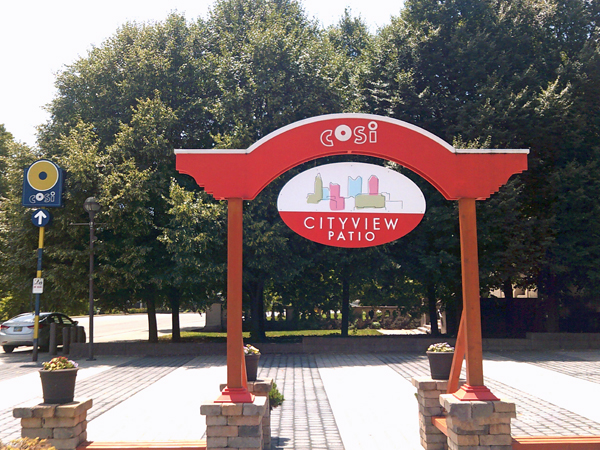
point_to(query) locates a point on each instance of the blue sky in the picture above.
(39, 38)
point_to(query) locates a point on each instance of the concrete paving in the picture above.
(360, 401)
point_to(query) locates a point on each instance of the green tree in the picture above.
(135, 192)
(494, 73)
(430, 257)
(195, 240)
(351, 41)
(18, 237)
(272, 68)
(104, 87)
(140, 95)
(65, 252)
(6, 144)
(502, 72)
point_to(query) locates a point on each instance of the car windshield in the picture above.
(23, 318)
(26, 318)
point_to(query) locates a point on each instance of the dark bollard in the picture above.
(73, 335)
(80, 334)
(66, 340)
(52, 345)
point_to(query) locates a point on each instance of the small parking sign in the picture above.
(38, 285)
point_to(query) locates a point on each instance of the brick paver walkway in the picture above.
(307, 421)
(329, 401)
(535, 416)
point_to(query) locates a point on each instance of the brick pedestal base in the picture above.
(240, 425)
(428, 396)
(475, 425)
(471, 425)
(64, 426)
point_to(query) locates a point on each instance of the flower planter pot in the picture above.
(440, 364)
(58, 386)
(252, 366)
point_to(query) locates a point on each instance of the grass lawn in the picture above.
(272, 336)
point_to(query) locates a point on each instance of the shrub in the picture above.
(275, 397)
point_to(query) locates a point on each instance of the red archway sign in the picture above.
(464, 175)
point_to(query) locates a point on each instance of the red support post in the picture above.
(237, 385)
(459, 356)
(474, 389)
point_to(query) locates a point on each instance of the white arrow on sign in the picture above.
(40, 216)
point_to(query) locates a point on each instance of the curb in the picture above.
(339, 345)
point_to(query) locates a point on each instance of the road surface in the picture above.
(132, 327)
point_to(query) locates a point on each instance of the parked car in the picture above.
(18, 331)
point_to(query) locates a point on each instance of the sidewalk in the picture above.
(360, 401)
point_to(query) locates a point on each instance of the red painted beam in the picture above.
(556, 443)
(455, 173)
(143, 445)
(459, 356)
(440, 423)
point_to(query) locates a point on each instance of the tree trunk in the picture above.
(176, 329)
(507, 289)
(552, 318)
(453, 313)
(451, 320)
(345, 306)
(152, 327)
(512, 323)
(432, 307)
(257, 315)
(552, 315)
(551, 305)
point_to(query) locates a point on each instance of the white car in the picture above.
(18, 331)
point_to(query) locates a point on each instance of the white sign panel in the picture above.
(38, 285)
(351, 204)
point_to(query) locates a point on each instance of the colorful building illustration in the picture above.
(336, 201)
(354, 186)
(317, 195)
(371, 199)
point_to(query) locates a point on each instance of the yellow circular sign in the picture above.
(42, 175)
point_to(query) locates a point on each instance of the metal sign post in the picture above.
(36, 325)
(42, 187)
(91, 292)
(92, 207)
(40, 218)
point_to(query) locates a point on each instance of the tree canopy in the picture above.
(486, 74)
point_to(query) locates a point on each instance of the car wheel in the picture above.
(8, 348)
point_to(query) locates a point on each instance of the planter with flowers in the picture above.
(252, 355)
(27, 444)
(440, 357)
(58, 380)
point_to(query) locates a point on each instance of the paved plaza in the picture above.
(355, 401)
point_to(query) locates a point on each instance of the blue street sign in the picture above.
(42, 185)
(41, 217)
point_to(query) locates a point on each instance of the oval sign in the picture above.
(351, 205)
